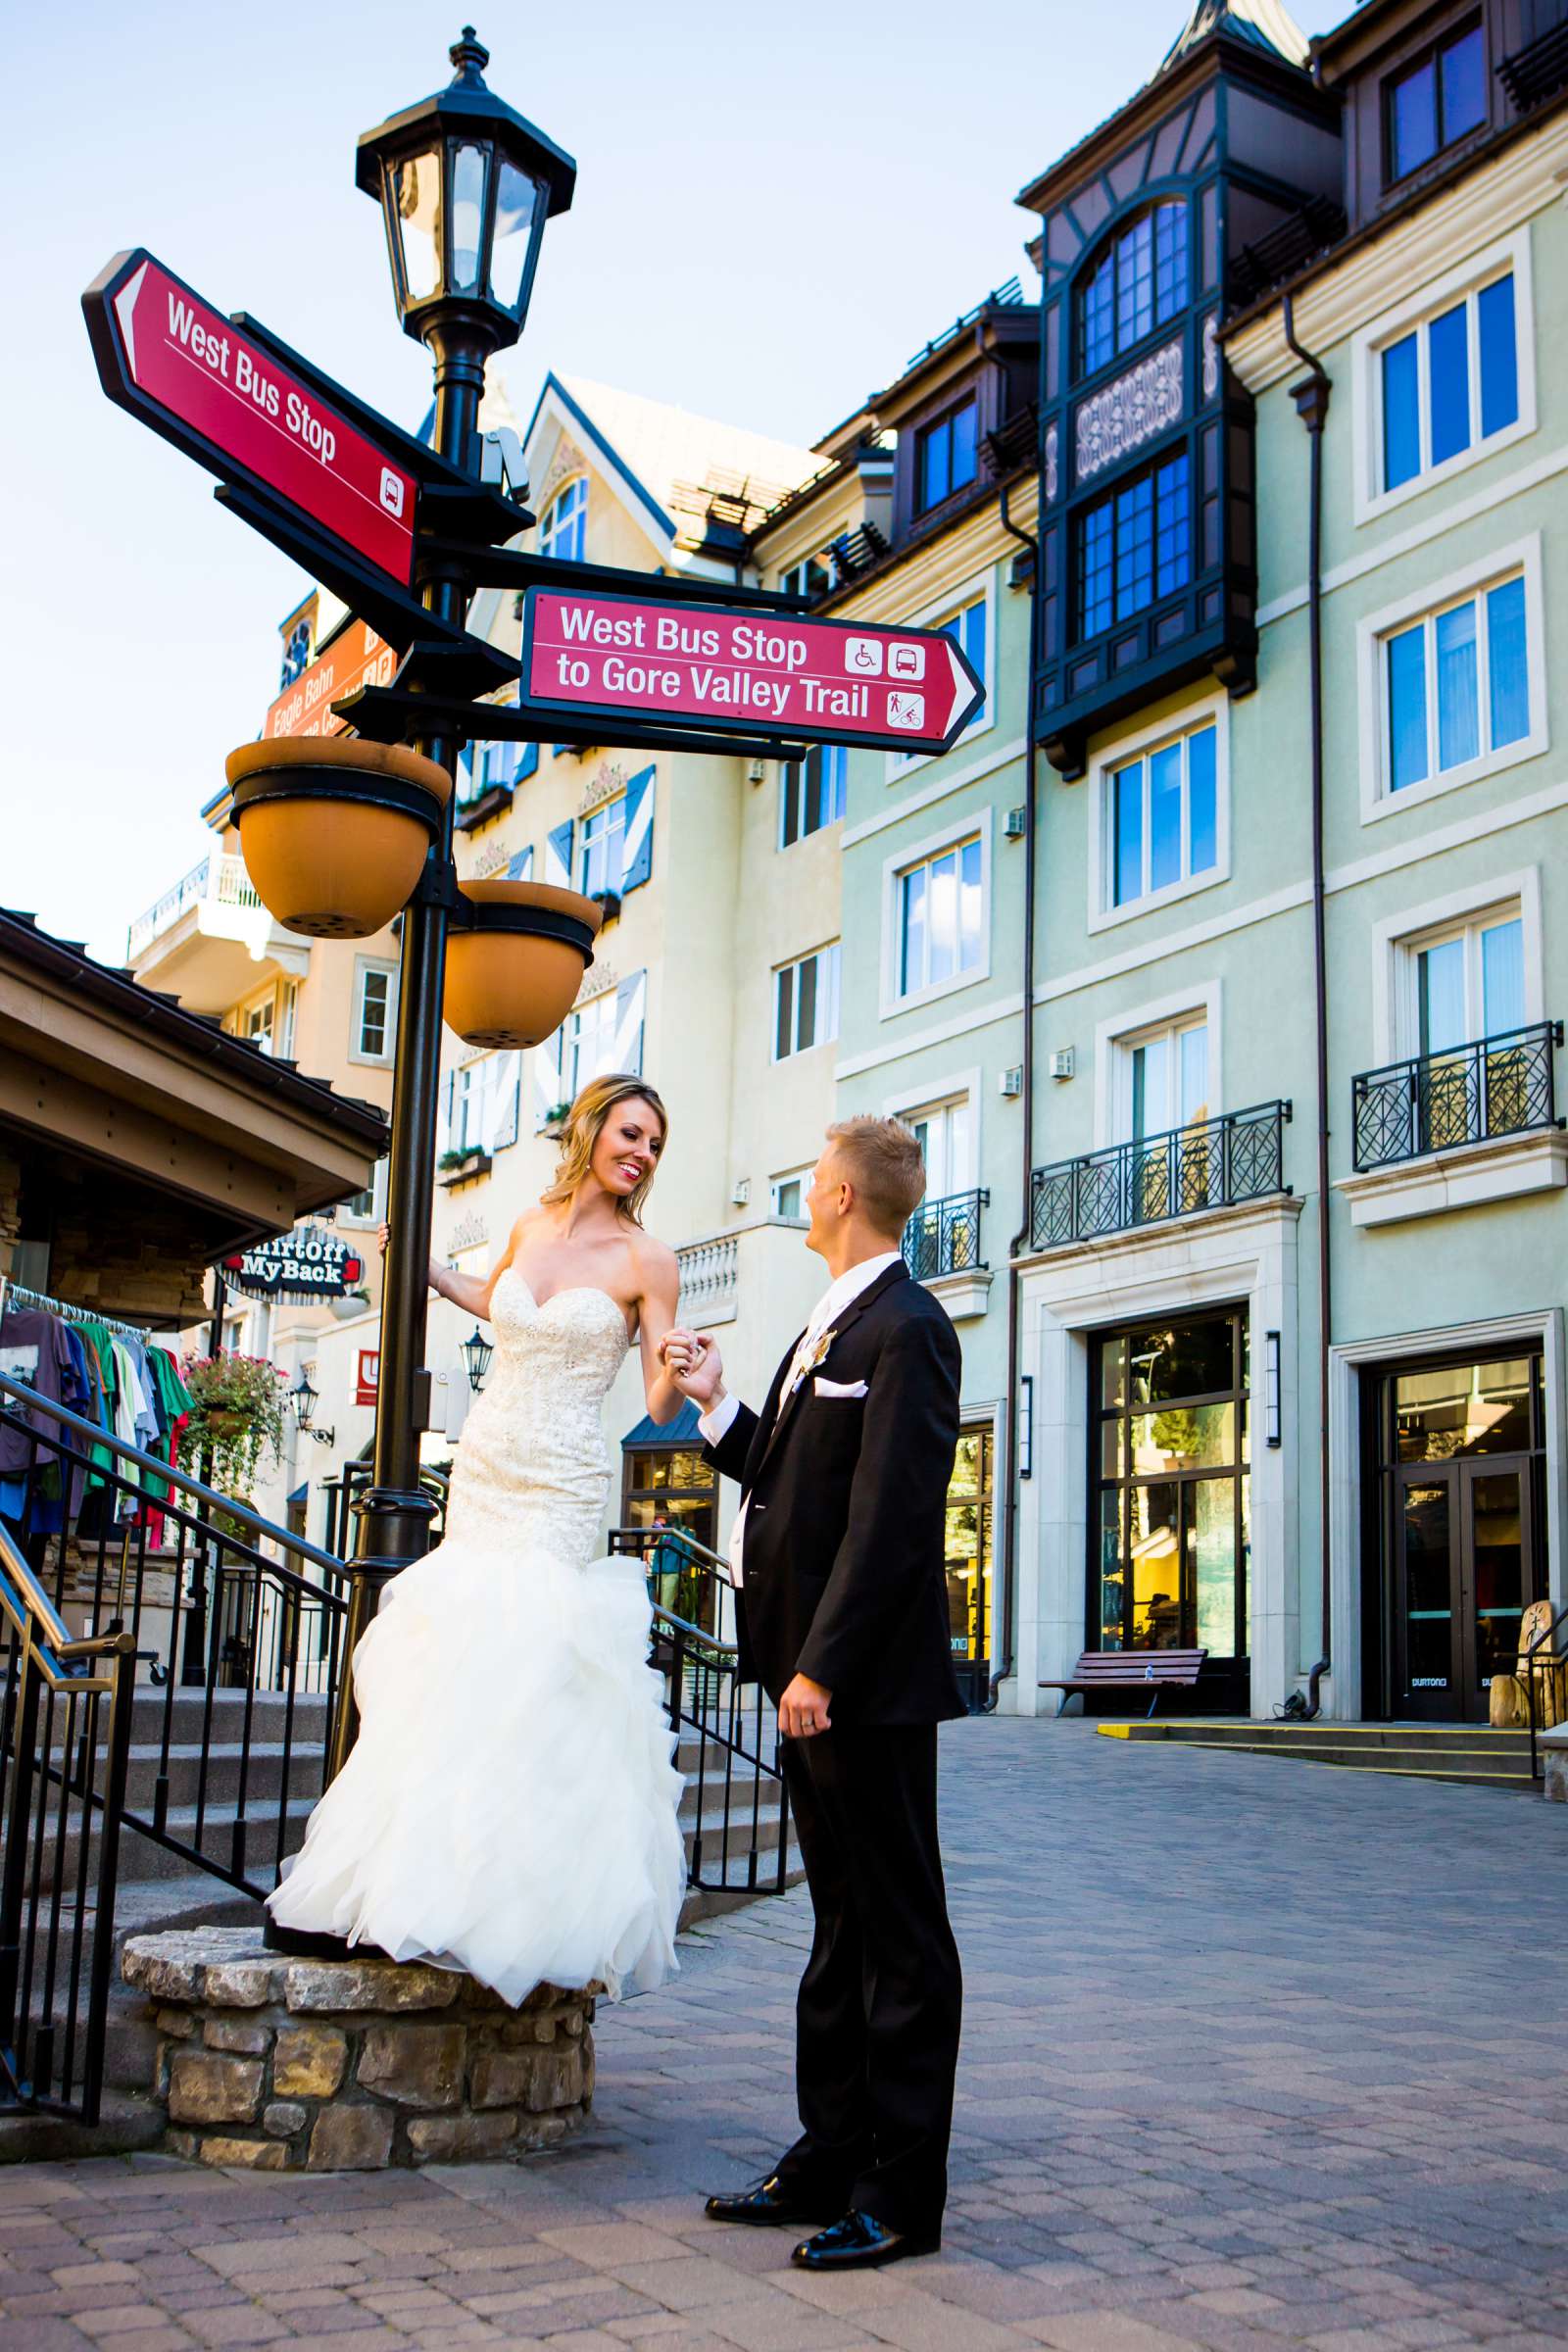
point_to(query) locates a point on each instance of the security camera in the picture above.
(502, 461)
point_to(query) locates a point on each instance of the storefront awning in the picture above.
(648, 1432)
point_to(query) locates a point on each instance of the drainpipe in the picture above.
(1311, 400)
(1009, 1514)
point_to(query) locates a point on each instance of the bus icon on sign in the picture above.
(906, 661)
(392, 492)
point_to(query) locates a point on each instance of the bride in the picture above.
(510, 1807)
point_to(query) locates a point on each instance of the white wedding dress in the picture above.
(510, 1807)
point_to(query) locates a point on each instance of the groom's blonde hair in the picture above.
(881, 1158)
(585, 1124)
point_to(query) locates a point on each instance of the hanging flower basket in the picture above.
(238, 1416)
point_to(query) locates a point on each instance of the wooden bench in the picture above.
(1131, 1670)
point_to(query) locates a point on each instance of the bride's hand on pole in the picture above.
(432, 1272)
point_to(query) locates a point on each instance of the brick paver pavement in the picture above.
(1256, 2054)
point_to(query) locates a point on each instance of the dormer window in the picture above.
(947, 456)
(1436, 102)
(563, 532)
(1140, 282)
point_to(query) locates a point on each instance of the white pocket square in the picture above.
(840, 1387)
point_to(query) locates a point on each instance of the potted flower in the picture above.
(556, 1118)
(238, 1416)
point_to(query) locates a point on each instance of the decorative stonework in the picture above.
(493, 861)
(1051, 461)
(469, 1233)
(603, 785)
(287, 2065)
(1211, 355)
(597, 981)
(567, 461)
(1129, 411)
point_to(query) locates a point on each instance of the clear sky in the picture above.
(775, 206)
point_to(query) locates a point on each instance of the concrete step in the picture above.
(263, 1773)
(1469, 1753)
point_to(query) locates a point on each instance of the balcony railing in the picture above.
(942, 1236)
(1215, 1163)
(221, 881)
(709, 1280)
(1472, 1093)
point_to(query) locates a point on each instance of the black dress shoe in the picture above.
(860, 2242)
(764, 2204)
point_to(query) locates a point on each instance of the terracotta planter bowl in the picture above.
(335, 831)
(516, 961)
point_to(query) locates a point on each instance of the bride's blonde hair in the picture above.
(585, 1124)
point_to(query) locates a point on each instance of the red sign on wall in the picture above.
(357, 656)
(221, 397)
(367, 1376)
(823, 681)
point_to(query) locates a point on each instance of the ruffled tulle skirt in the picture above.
(511, 1805)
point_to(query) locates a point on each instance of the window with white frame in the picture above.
(1162, 1078)
(588, 1044)
(940, 917)
(601, 843)
(369, 1206)
(375, 993)
(1448, 384)
(805, 1002)
(563, 532)
(258, 1020)
(1463, 982)
(944, 1132)
(786, 1196)
(969, 627)
(1455, 685)
(1159, 820)
(812, 792)
(289, 1001)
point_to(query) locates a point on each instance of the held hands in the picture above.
(695, 1365)
(803, 1711)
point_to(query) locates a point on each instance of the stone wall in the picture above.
(289, 2064)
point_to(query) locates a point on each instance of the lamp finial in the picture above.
(470, 57)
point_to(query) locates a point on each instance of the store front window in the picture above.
(671, 1489)
(1171, 1535)
(969, 1559)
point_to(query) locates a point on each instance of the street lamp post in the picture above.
(466, 186)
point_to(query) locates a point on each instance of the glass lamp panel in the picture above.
(1166, 816)
(1499, 355)
(1508, 663)
(1407, 707)
(417, 193)
(1402, 413)
(1448, 357)
(469, 165)
(1458, 687)
(517, 200)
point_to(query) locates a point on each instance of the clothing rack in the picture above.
(15, 1293)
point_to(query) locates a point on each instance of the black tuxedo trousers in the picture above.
(843, 1568)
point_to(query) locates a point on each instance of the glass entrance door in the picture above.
(1464, 1570)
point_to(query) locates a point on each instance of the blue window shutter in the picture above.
(443, 1131)
(528, 759)
(465, 773)
(501, 1101)
(637, 854)
(520, 868)
(546, 1077)
(631, 1001)
(558, 856)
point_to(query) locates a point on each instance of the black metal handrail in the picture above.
(1214, 1164)
(1474, 1094)
(1545, 1656)
(942, 1236)
(731, 1724)
(61, 1802)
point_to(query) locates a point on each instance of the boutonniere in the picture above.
(817, 1355)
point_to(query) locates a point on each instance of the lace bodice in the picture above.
(532, 1462)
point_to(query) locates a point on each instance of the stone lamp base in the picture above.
(287, 2063)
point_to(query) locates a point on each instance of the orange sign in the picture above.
(356, 657)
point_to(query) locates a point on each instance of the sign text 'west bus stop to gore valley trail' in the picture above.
(908, 690)
(221, 397)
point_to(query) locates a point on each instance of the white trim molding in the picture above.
(1372, 632)
(1212, 710)
(1507, 255)
(1504, 1167)
(1346, 1361)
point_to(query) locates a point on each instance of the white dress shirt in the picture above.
(834, 1300)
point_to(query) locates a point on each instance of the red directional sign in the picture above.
(825, 681)
(223, 397)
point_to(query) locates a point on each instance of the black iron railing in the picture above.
(1536, 71)
(67, 1738)
(348, 1490)
(1215, 1163)
(727, 1732)
(942, 1236)
(1501, 1085)
(1544, 1671)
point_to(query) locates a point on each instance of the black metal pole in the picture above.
(395, 1515)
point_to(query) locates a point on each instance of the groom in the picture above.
(840, 1607)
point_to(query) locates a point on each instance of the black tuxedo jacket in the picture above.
(843, 1557)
